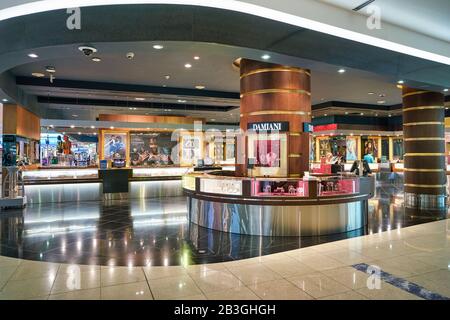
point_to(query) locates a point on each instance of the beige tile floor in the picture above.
(420, 254)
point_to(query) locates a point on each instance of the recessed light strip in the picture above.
(232, 5)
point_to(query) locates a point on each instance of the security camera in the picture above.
(130, 55)
(87, 51)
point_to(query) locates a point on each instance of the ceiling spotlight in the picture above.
(158, 46)
(139, 99)
(200, 87)
(87, 51)
(95, 133)
(52, 126)
(79, 133)
(346, 112)
(390, 115)
(112, 128)
(381, 101)
(50, 69)
(96, 59)
(92, 127)
(4, 100)
(181, 101)
(265, 57)
(188, 65)
(196, 58)
(130, 55)
(400, 82)
(342, 70)
(33, 55)
(445, 90)
(382, 95)
(362, 113)
(167, 77)
(72, 126)
(38, 74)
(325, 114)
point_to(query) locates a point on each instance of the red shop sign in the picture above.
(326, 127)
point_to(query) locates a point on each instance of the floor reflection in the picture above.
(157, 232)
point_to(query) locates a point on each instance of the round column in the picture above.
(277, 93)
(424, 140)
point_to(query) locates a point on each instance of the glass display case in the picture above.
(279, 187)
(337, 185)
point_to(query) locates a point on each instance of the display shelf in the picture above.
(333, 186)
(276, 187)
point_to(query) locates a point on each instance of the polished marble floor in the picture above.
(414, 263)
(155, 232)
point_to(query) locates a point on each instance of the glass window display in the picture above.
(115, 146)
(151, 149)
(267, 153)
(337, 186)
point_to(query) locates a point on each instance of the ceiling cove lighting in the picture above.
(237, 6)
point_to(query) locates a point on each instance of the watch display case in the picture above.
(279, 187)
(332, 186)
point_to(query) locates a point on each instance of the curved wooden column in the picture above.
(272, 93)
(424, 139)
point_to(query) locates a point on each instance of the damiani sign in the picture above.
(268, 126)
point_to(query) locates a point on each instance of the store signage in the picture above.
(269, 126)
(326, 127)
(308, 127)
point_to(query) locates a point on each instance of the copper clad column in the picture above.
(424, 138)
(271, 92)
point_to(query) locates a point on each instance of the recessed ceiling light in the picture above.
(446, 108)
(346, 112)
(400, 82)
(381, 101)
(376, 114)
(4, 100)
(167, 77)
(50, 69)
(181, 101)
(95, 133)
(342, 70)
(382, 95)
(265, 57)
(362, 113)
(371, 93)
(325, 114)
(112, 128)
(140, 99)
(72, 126)
(38, 74)
(445, 90)
(158, 46)
(164, 85)
(188, 65)
(196, 58)
(213, 119)
(33, 55)
(167, 110)
(390, 115)
(96, 59)
(92, 127)
(200, 87)
(79, 133)
(75, 115)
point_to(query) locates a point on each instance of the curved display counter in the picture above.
(278, 206)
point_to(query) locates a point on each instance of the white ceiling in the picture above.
(431, 17)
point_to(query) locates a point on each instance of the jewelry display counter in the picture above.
(279, 206)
